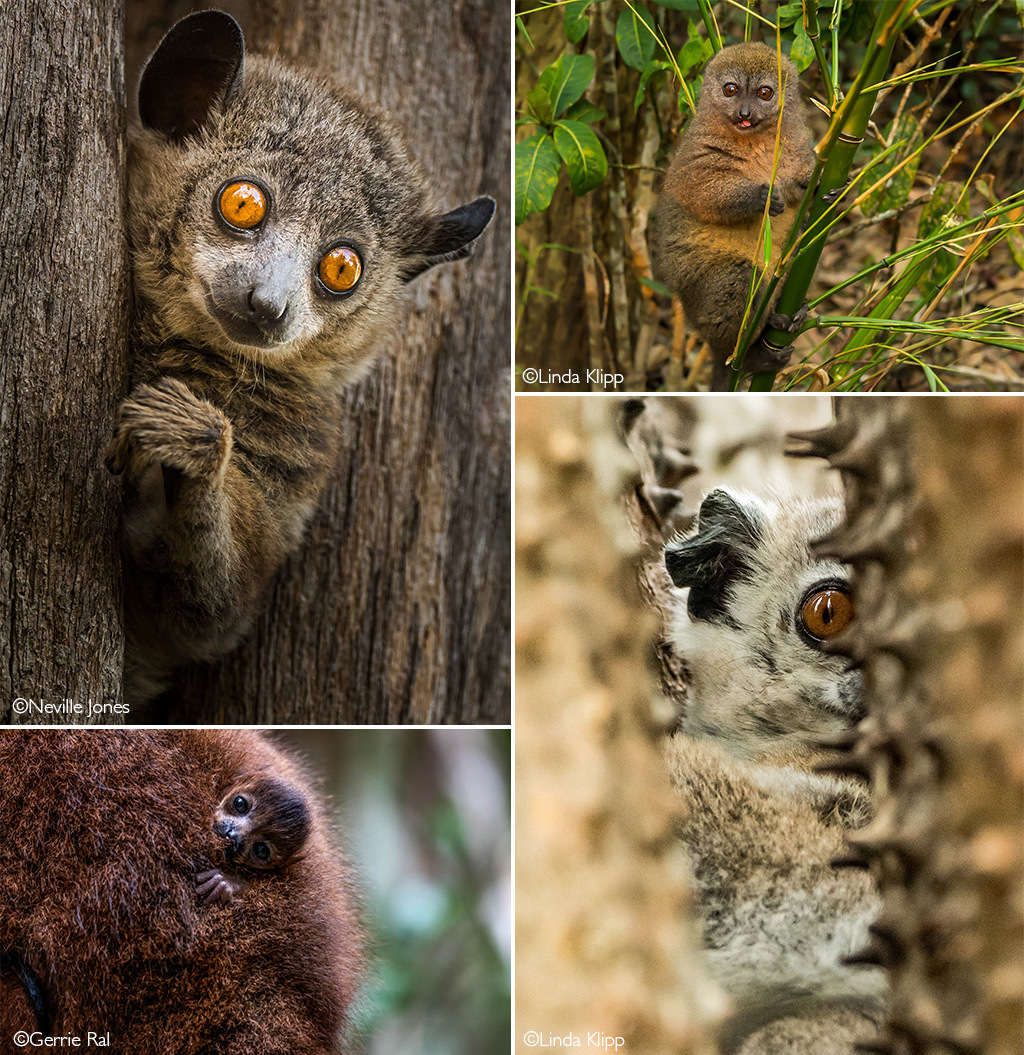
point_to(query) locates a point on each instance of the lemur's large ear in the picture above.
(448, 237)
(707, 562)
(196, 69)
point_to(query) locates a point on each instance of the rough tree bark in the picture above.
(935, 495)
(63, 362)
(396, 608)
(604, 940)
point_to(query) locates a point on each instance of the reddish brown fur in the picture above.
(104, 833)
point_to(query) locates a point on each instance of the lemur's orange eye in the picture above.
(730, 88)
(826, 612)
(243, 204)
(340, 269)
(765, 93)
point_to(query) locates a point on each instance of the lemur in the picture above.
(274, 220)
(263, 821)
(754, 612)
(705, 226)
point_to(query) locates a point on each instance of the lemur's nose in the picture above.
(267, 305)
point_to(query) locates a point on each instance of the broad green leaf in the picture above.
(691, 54)
(693, 6)
(577, 21)
(583, 155)
(634, 33)
(655, 66)
(584, 110)
(787, 13)
(802, 51)
(537, 168)
(539, 105)
(566, 79)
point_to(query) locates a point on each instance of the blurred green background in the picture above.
(424, 816)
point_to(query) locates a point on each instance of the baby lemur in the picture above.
(755, 611)
(264, 822)
(274, 221)
(705, 225)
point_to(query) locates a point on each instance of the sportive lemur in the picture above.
(263, 821)
(755, 609)
(274, 221)
(705, 225)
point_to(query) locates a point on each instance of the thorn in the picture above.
(872, 955)
(850, 860)
(662, 500)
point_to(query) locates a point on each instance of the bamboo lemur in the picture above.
(754, 611)
(274, 220)
(704, 234)
(263, 822)
(104, 834)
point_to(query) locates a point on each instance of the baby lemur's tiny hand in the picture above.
(166, 423)
(214, 888)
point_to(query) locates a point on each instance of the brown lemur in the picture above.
(274, 220)
(105, 832)
(705, 225)
(264, 822)
(755, 612)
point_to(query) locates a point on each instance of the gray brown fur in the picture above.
(704, 235)
(226, 443)
(762, 827)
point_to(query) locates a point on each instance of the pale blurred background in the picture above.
(424, 815)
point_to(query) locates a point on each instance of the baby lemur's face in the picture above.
(271, 213)
(752, 625)
(741, 84)
(263, 821)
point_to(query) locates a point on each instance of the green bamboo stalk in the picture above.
(814, 34)
(846, 133)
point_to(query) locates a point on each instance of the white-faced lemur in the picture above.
(274, 221)
(755, 608)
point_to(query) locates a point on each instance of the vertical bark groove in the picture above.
(63, 299)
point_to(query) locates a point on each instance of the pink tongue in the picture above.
(744, 124)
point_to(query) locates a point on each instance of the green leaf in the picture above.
(566, 79)
(895, 191)
(650, 69)
(802, 51)
(522, 29)
(691, 54)
(933, 381)
(634, 33)
(584, 110)
(538, 105)
(577, 21)
(693, 6)
(583, 155)
(658, 287)
(537, 168)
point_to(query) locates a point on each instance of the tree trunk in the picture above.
(396, 608)
(604, 937)
(63, 299)
(935, 490)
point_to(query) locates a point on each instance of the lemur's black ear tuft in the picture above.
(196, 69)
(709, 561)
(449, 237)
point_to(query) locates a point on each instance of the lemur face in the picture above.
(271, 213)
(751, 627)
